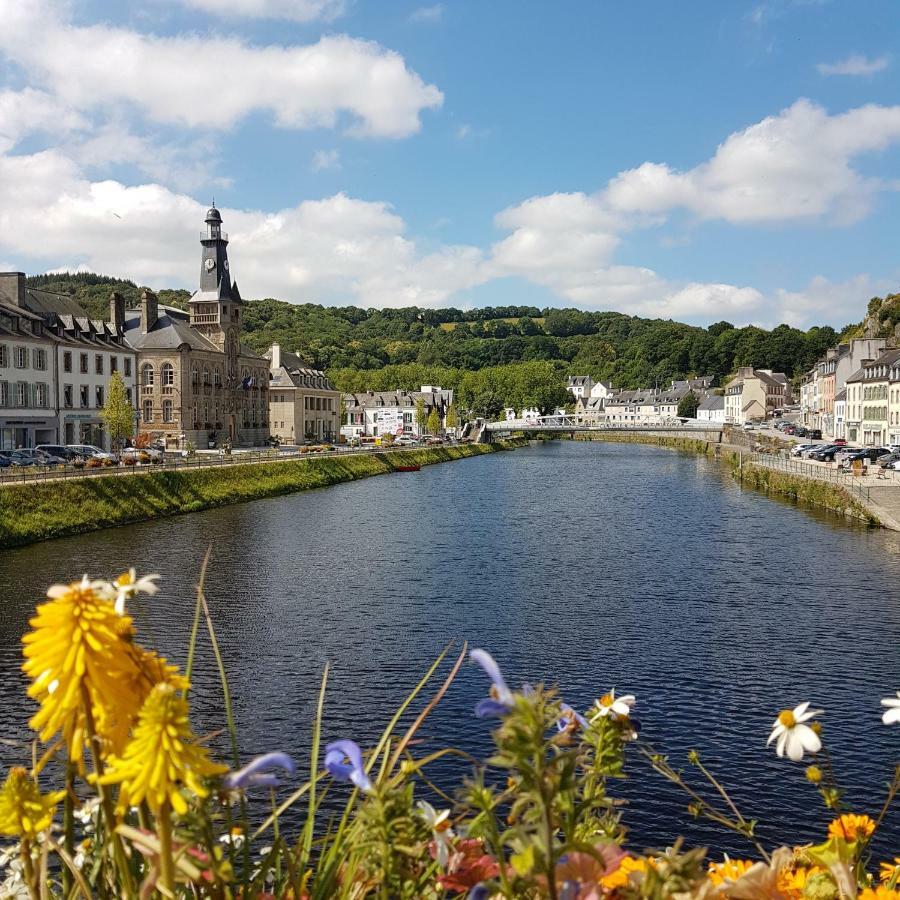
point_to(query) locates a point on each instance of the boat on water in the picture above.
(412, 467)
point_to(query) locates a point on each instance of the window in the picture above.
(217, 377)
(147, 377)
(127, 367)
(21, 393)
(168, 377)
(113, 364)
(99, 397)
(39, 358)
(98, 363)
(195, 376)
(41, 395)
(21, 357)
(67, 361)
(85, 397)
(4, 356)
(167, 411)
(4, 393)
(128, 394)
(206, 376)
(148, 411)
(83, 364)
(67, 396)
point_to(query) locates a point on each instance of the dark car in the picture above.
(13, 459)
(4, 461)
(66, 454)
(38, 458)
(814, 434)
(888, 459)
(870, 453)
(826, 453)
(800, 431)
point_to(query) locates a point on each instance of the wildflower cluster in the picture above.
(148, 811)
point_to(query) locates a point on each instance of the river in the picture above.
(582, 565)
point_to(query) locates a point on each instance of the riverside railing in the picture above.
(176, 463)
(834, 474)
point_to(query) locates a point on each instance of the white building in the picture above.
(580, 385)
(840, 413)
(712, 409)
(378, 413)
(27, 385)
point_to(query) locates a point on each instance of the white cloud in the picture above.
(326, 159)
(214, 82)
(855, 65)
(428, 14)
(791, 167)
(24, 112)
(293, 10)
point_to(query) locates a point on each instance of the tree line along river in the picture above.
(588, 566)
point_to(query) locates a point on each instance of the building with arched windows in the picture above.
(197, 382)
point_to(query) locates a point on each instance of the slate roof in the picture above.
(712, 403)
(171, 330)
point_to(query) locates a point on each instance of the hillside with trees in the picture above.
(470, 350)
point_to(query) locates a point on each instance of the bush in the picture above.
(93, 463)
(130, 461)
(108, 462)
(144, 458)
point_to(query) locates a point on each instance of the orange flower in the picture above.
(620, 878)
(888, 870)
(728, 870)
(879, 893)
(851, 827)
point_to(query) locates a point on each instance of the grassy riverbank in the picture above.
(792, 486)
(41, 510)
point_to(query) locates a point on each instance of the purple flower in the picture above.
(479, 892)
(335, 755)
(257, 773)
(568, 715)
(500, 701)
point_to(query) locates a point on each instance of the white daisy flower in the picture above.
(439, 823)
(613, 706)
(892, 714)
(793, 737)
(128, 584)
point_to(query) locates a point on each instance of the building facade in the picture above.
(753, 395)
(303, 404)
(198, 383)
(377, 413)
(27, 384)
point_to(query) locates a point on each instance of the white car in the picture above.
(89, 451)
(800, 448)
(152, 452)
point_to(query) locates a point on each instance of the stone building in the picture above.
(377, 413)
(303, 404)
(197, 382)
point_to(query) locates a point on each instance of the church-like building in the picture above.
(197, 383)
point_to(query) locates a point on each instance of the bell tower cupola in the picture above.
(216, 307)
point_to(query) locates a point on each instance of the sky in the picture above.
(696, 161)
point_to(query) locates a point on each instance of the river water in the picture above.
(583, 565)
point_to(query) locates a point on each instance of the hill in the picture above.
(376, 349)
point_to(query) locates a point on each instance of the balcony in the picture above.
(205, 319)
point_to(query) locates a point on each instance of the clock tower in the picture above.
(216, 307)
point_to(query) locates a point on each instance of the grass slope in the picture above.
(42, 510)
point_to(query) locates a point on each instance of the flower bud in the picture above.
(813, 774)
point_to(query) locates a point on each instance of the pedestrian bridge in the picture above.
(572, 424)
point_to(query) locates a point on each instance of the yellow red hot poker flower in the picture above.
(77, 656)
(24, 811)
(162, 757)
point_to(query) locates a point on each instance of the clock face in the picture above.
(226, 265)
(210, 265)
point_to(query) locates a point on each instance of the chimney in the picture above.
(149, 310)
(12, 288)
(276, 356)
(117, 310)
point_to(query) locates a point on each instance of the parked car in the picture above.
(13, 458)
(4, 461)
(135, 452)
(37, 457)
(814, 434)
(813, 448)
(66, 454)
(89, 451)
(797, 449)
(870, 453)
(841, 442)
(887, 461)
(826, 453)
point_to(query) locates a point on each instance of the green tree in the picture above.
(421, 415)
(452, 418)
(687, 406)
(117, 413)
(434, 422)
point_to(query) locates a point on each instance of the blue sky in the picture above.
(695, 161)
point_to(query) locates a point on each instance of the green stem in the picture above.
(166, 863)
(28, 867)
(109, 814)
(69, 825)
